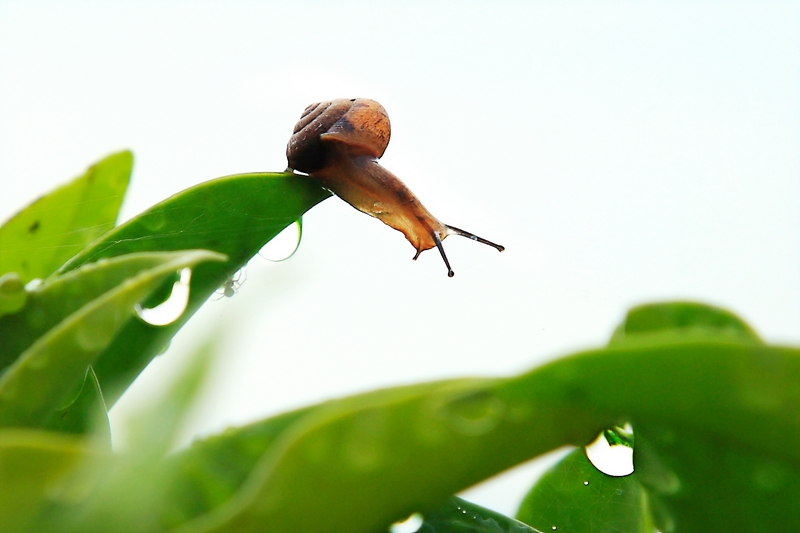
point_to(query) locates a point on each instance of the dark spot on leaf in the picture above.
(33, 227)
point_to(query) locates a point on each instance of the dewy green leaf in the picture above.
(456, 515)
(41, 237)
(362, 463)
(234, 215)
(40, 380)
(575, 497)
(59, 297)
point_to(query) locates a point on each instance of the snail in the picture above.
(339, 143)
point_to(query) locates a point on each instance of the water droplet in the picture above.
(554, 528)
(232, 284)
(611, 460)
(586, 482)
(173, 307)
(95, 331)
(364, 447)
(519, 411)
(153, 221)
(409, 525)
(33, 284)
(474, 414)
(12, 293)
(284, 244)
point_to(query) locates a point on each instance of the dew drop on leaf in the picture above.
(614, 460)
(409, 525)
(284, 244)
(173, 307)
(474, 414)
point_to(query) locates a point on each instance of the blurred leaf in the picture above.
(234, 215)
(682, 317)
(699, 481)
(41, 237)
(361, 463)
(137, 485)
(210, 472)
(460, 516)
(41, 379)
(86, 414)
(575, 497)
(37, 470)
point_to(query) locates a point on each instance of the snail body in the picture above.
(339, 143)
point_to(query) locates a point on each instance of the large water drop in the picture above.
(409, 525)
(284, 244)
(474, 414)
(612, 460)
(173, 307)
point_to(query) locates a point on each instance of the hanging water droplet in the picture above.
(611, 460)
(474, 414)
(173, 307)
(409, 525)
(154, 221)
(33, 284)
(284, 244)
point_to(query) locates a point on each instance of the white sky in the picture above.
(623, 152)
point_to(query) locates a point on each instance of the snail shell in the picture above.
(339, 142)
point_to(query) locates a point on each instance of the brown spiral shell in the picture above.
(359, 125)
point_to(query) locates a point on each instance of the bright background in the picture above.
(623, 152)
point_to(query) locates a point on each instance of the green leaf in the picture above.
(460, 516)
(402, 450)
(41, 237)
(57, 298)
(234, 215)
(682, 317)
(87, 414)
(39, 382)
(361, 463)
(129, 490)
(210, 472)
(37, 469)
(364, 462)
(699, 481)
(575, 497)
